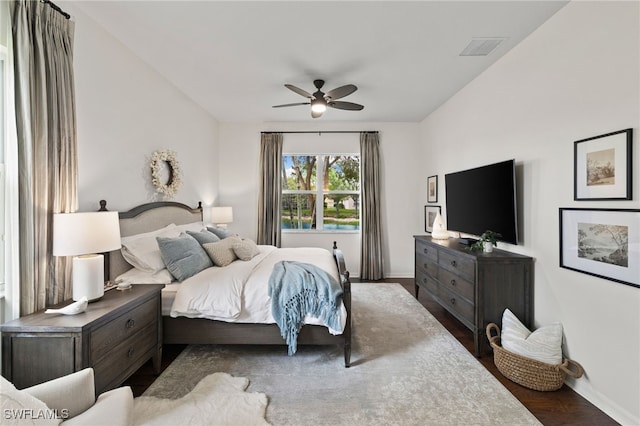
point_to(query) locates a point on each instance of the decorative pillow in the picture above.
(245, 249)
(137, 276)
(544, 344)
(183, 255)
(32, 410)
(141, 251)
(220, 232)
(204, 236)
(222, 252)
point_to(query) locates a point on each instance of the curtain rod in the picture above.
(56, 8)
(324, 131)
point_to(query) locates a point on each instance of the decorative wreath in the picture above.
(173, 183)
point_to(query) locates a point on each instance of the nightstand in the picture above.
(116, 335)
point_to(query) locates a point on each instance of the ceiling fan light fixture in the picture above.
(318, 105)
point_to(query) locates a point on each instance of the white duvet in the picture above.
(239, 292)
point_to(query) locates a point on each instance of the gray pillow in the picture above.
(183, 256)
(220, 232)
(245, 249)
(222, 252)
(204, 236)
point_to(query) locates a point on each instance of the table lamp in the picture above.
(220, 216)
(85, 236)
(439, 231)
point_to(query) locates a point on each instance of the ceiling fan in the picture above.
(319, 101)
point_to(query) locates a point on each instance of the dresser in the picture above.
(116, 335)
(475, 287)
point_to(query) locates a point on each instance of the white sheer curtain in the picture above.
(47, 150)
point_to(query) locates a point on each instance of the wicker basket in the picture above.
(528, 372)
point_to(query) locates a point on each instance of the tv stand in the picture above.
(475, 287)
(467, 241)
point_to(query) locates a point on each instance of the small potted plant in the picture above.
(487, 241)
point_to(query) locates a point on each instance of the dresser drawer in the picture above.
(459, 265)
(427, 282)
(104, 338)
(125, 356)
(457, 305)
(426, 266)
(456, 284)
(428, 252)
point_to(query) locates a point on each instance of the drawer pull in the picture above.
(425, 266)
(453, 263)
(425, 251)
(453, 282)
(130, 352)
(453, 301)
(130, 323)
(424, 280)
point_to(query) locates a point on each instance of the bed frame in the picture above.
(182, 330)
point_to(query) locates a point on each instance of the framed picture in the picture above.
(432, 189)
(602, 167)
(601, 242)
(430, 213)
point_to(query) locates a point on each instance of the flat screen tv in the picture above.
(483, 198)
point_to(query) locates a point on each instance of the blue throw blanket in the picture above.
(297, 289)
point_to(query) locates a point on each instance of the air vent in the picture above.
(481, 46)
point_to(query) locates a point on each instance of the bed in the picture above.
(188, 330)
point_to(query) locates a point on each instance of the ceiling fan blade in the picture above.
(298, 90)
(288, 105)
(315, 114)
(340, 92)
(345, 105)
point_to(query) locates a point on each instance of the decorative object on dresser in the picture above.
(475, 287)
(430, 213)
(221, 216)
(439, 232)
(115, 336)
(601, 242)
(86, 236)
(602, 167)
(487, 241)
(432, 189)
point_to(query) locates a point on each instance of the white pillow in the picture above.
(137, 276)
(141, 250)
(544, 344)
(29, 409)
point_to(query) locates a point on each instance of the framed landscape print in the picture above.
(432, 189)
(601, 242)
(602, 167)
(430, 213)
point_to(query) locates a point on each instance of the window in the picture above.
(321, 192)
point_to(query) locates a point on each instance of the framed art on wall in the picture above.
(601, 242)
(602, 167)
(432, 189)
(430, 213)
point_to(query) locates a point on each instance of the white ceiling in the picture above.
(233, 58)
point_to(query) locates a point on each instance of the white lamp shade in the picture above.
(439, 231)
(221, 214)
(85, 233)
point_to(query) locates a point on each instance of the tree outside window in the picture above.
(321, 192)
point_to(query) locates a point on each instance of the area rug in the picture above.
(407, 369)
(218, 399)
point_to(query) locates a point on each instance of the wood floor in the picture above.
(562, 407)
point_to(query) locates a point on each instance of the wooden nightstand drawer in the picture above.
(427, 266)
(457, 284)
(117, 365)
(427, 282)
(457, 305)
(463, 266)
(104, 338)
(428, 252)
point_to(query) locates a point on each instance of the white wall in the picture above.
(125, 112)
(577, 76)
(239, 167)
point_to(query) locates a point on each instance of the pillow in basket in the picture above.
(544, 344)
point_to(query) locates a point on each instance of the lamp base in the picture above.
(88, 277)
